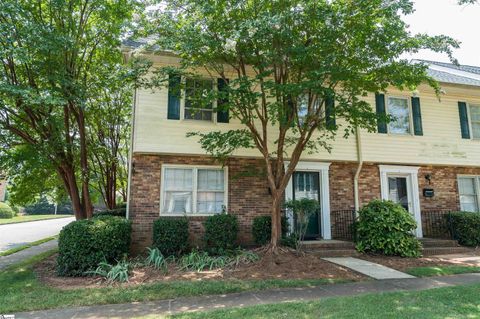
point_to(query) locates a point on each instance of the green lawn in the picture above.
(456, 302)
(20, 248)
(21, 291)
(441, 270)
(29, 218)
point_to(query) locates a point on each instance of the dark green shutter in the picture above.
(173, 97)
(330, 113)
(222, 114)
(381, 113)
(417, 116)
(462, 111)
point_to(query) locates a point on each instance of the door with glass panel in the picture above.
(307, 185)
(468, 191)
(399, 192)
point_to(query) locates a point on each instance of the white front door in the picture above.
(400, 185)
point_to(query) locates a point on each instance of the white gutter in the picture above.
(130, 152)
(359, 169)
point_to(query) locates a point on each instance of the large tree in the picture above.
(282, 61)
(49, 51)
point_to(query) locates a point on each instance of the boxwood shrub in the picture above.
(221, 232)
(262, 229)
(465, 227)
(387, 228)
(6, 211)
(170, 235)
(119, 212)
(83, 244)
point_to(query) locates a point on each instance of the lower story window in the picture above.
(193, 190)
(468, 189)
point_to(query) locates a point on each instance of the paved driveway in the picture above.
(13, 235)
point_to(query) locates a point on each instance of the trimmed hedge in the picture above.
(221, 232)
(387, 228)
(6, 211)
(83, 244)
(170, 235)
(262, 229)
(465, 228)
(119, 212)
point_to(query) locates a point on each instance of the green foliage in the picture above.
(201, 260)
(119, 212)
(83, 244)
(118, 272)
(6, 211)
(41, 207)
(221, 233)
(170, 235)
(386, 227)
(465, 227)
(302, 210)
(157, 260)
(262, 229)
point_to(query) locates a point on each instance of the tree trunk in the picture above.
(276, 234)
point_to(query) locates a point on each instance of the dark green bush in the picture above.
(221, 233)
(465, 227)
(83, 244)
(41, 207)
(170, 235)
(262, 229)
(119, 212)
(387, 228)
(6, 211)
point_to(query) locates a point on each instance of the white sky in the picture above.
(446, 17)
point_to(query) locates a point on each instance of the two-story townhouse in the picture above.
(427, 159)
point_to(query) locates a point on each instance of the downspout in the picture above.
(359, 169)
(130, 153)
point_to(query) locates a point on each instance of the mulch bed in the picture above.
(287, 265)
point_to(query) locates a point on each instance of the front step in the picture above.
(327, 244)
(432, 251)
(432, 243)
(335, 253)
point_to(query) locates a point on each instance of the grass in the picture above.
(441, 270)
(20, 248)
(451, 302)
(21, 291)
(29, 218)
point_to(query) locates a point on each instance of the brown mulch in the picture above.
(401, 264)
(286, 265)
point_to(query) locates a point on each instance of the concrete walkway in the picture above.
(6, 261)
(369, 269)
(165, 307)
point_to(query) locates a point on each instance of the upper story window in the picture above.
(468, 189)
(193, 190)
(475, 120)
(196, 94)
(399, 111)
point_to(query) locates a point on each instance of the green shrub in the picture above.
(84, 244)
(386, 227)
(221, 233)
(119, 212)
(111, 273)
(170, 235)
(465, 227)
(262, 229)
(6, 211)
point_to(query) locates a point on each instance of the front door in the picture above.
(307, 185)
(398, 191)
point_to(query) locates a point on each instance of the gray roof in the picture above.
(464, 68)
(445, 77)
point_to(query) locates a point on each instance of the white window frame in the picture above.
(470, 126)
(195, 169)
(476, 185)
(184, 99)
(410, 114)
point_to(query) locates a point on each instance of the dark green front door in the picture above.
(307, 185)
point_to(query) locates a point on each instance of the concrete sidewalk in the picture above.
(166, 307)
(369, 269)
(15, 258)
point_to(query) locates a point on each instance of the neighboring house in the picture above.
(428, 160)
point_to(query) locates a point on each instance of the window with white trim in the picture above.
(197, 106)
(475, 120)
(399, 111)
(468, 189)
(193, 190)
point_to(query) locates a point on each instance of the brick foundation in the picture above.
(248, 192)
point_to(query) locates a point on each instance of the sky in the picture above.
(461, 22)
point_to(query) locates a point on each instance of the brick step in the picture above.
(328, 245)
(431, 251)
(431, 243)
(335, 253)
